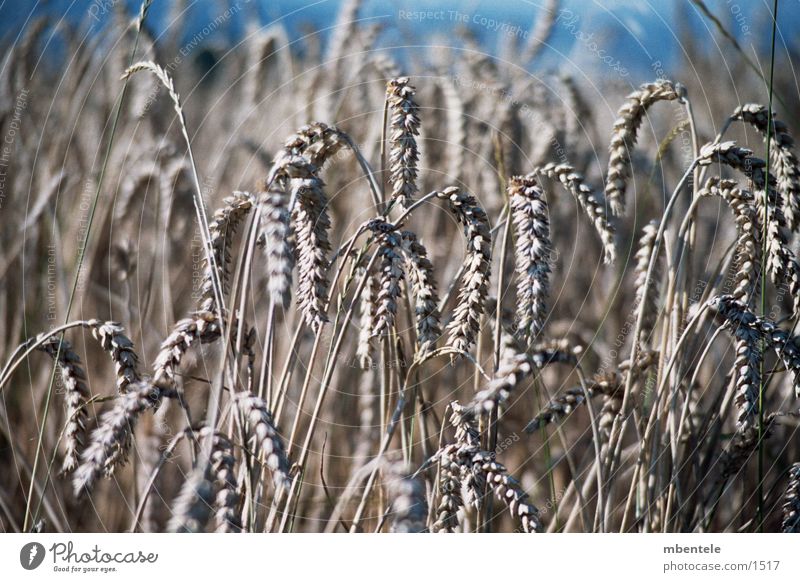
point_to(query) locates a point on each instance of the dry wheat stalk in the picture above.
(456, 131)
(609, 385)
(624, 135)
(316, 143)
(791, 502)
(780, 260)
(557, 409)
(587, 199)
(426, 300)
(73, 379)
(532, 251)
(784, 160)
(741, 448)
(747, 367)
(451, 470)
(465, 323)
(451, 499)
(403, 152)
(110, 441)
(265, 437)
(542, 30)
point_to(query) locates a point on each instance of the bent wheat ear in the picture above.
(111, 337)
(557, 409)
(222, 229)
(784, 160)
(735, 315)
(532, 251)
(316, 143)
(624, 135)
(264, 436)
(587, 199)
(76, 394)
(475, 470)
(514, 369)
(112, 438)
(738, 158)
(748, 246)
(465, 323)
(203, 326)
(403, 151)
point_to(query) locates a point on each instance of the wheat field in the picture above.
(295, 286)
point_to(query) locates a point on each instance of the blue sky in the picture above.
(634, 32)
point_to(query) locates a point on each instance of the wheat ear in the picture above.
(532, 251)
(403, 151)
(266, 440)
(785, 164)
(465, 323)
(110, 441)
(624, 136)
(426, 300)
(646, 304)
(791, 502)
(587, 199)
(748, 245)
(311, 226)
(76, 394)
